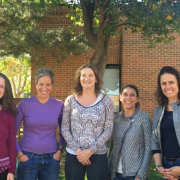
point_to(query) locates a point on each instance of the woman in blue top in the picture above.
(165, 142)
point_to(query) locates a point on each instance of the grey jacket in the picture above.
(158, 115)
(131, 141)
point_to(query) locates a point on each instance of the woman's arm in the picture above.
(66, 125)
(18, 119)
(161, 170)
(62, 142)
(11, 143)
(145, 166)
(108, 126)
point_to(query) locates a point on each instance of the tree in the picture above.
(20, 32)
(19, 20)
(155, 19)
(18, 70)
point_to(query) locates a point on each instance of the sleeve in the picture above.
(155, 152)
(61, 138)
(66, 125)
(106, 134)
(111, 142)
(18, 119)
(11, 143)
(144, 169)
(154, 138)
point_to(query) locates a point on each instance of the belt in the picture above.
(171, 159)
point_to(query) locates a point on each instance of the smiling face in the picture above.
(2, 86)
(129, 98)
(87, 78)
(44, 87)
(169, 87)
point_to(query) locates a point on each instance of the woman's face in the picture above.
(169, 86)
(129, 98)
(87, 78)
(2, 86)
(44, 87)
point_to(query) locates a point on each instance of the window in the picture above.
(111, 84)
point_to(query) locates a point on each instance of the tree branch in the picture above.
(88, 1)
(14, 87)
(88, 21)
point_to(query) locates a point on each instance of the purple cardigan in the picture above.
(40, 121)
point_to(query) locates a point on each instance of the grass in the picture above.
(153, 174)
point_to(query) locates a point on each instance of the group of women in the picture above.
(86, 122)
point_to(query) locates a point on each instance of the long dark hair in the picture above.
(7, 101)
(160, 97)
(77, 84)
(137, 105)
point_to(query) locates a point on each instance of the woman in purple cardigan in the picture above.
(38, 154)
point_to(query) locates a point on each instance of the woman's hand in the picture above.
(10, 176)
(137, 178)
(165, 173)
(175, 172)
(84, 155)
(23, 158)
(57, 155)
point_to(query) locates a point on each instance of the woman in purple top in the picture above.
(38, 154)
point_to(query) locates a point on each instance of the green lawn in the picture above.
(153, 175)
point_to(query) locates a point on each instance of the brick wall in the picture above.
(141, 65)
(64, 72)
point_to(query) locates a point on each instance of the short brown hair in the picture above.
(77, 90)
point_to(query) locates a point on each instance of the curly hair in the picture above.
(77, 90)
(160, 97)
(7, 101)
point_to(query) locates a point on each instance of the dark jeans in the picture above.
(3, 175)
(38, 166)
(120, 177)
(98, 170)
(167, 165)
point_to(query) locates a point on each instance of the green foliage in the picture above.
(155, 19)
(19, 73)
(20, 31)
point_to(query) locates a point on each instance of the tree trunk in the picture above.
(99, 59)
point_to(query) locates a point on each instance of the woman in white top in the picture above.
(87, 125)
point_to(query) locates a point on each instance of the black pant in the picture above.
(98, 170)
(3, 175)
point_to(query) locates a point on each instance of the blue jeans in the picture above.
(167, 164)
(38, 166)
(120, 177)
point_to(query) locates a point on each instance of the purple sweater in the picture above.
(40, 121)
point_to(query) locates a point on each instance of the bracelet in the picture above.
(60, 149)
(20, 156)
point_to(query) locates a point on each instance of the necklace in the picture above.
(169, 107)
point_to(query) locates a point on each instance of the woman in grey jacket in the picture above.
(165, 143)
(130, 152)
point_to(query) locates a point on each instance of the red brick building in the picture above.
(138, 64)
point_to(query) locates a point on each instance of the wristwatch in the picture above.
(158, 166)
